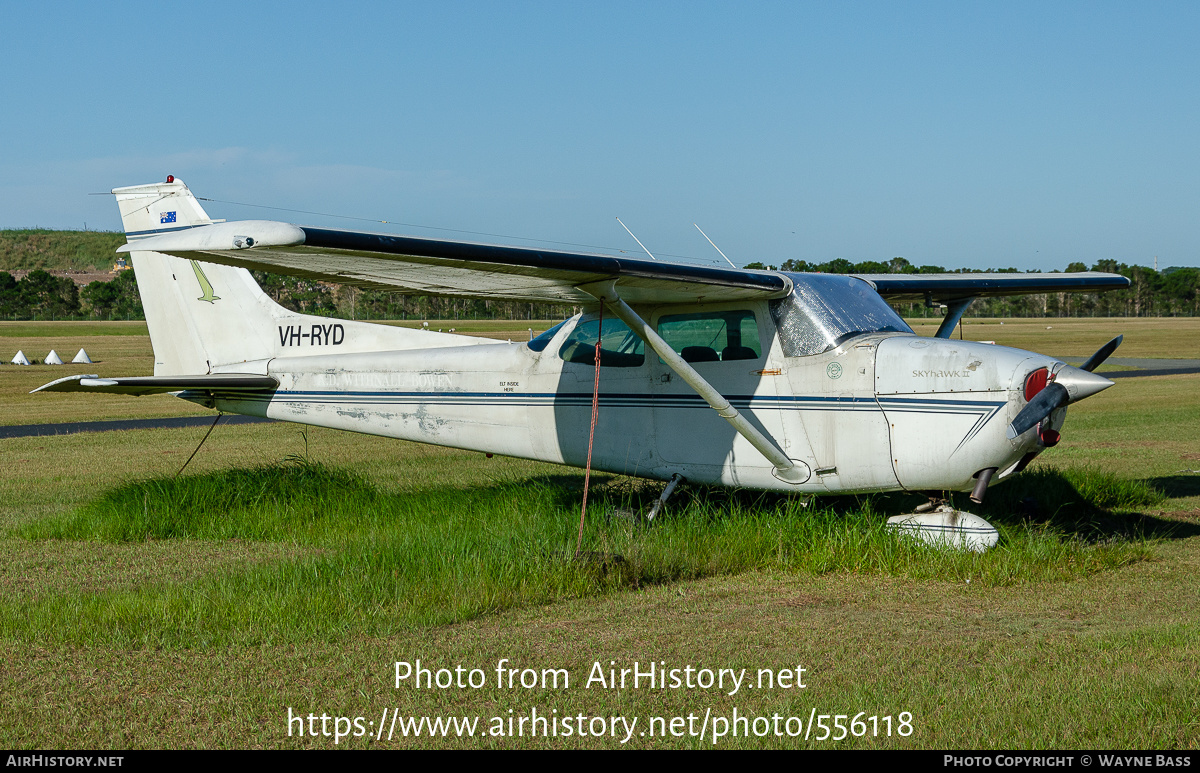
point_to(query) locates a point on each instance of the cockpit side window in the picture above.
(619, 346)
(712, 336)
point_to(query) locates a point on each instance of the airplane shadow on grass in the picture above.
(1176, 486)
(1097, 509)
(1107, 508)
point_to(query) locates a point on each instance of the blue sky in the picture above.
(957, 134)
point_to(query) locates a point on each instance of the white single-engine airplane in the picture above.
(805, 383)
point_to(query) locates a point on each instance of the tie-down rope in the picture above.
(587, 475)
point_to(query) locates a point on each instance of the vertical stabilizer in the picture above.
(205, 318)
(200, 315)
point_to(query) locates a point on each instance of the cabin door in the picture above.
(729, 346)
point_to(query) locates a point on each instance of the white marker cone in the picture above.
(82, 357)
(53, 359)
(20, 359)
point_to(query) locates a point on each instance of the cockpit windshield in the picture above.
(826, 309)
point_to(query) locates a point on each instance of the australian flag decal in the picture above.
(166, 217)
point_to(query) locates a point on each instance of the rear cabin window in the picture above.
(712, 336)
(539, 342)
(619, 347)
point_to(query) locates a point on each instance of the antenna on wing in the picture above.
(639, 241)
(715, 247)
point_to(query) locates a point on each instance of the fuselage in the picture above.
(881, 410)
(772, 380)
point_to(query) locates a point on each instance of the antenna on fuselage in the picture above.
(715, 247)
(639, 241)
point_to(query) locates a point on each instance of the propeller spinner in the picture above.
(1069, 385)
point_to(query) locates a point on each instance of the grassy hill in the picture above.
(66, 250)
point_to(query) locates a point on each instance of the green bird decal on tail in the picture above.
(205, 286)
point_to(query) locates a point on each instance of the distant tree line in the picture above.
(330, 300)
(42, 296)
(1173, 292)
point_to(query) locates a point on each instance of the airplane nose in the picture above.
(1068, 385)
(1080, 383)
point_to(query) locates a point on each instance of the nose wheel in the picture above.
(939, 524)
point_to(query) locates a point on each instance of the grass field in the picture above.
(139, 611)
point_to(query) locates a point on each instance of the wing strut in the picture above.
(954, 315)
(787, 470)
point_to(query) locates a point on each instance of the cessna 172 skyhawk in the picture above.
(808, 383)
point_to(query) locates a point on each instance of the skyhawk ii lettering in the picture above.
(710, 375)
(941, 374)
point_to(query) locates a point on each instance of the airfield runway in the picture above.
(71, 428)
(1148, 367)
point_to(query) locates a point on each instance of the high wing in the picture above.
(948, 288)
(451, 268)
(439, 267)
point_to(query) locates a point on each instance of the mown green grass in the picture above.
(375, 563)
(1167, 337)
(68, 328)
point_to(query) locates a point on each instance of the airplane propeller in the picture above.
(1102, 354)
(1069, 385)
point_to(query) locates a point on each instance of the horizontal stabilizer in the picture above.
(151, 385)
